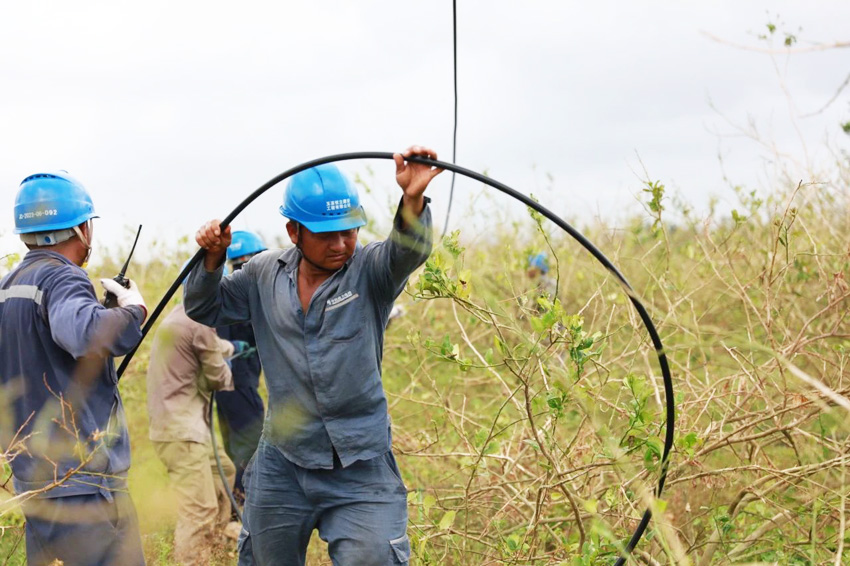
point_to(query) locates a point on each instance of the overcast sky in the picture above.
(171, 112)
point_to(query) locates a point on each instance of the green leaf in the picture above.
(428, 502)
(488, 356)
(447, 521)
(446, 346)
(500, 346)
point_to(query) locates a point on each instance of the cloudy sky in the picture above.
(171, 112)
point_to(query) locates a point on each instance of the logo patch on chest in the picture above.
(341, 300)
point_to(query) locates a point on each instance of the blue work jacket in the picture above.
(242, 408)
(323, 366)
(59, 386)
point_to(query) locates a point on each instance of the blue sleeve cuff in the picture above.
(138, 312)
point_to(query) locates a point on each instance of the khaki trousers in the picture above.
(203, 504)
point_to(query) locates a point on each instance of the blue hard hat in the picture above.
(539, 261)
(244, 243)
(51, 201)
(323, 200)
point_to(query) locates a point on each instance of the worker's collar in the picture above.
(37, 254)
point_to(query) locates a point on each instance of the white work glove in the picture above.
(396, 312)
(126, 296)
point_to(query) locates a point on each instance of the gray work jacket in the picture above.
(322, 367)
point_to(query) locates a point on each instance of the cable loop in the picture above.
(561, 223)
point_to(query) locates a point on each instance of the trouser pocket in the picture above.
(244, 549)
(401, 550)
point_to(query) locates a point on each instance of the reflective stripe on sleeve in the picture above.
(30, 292)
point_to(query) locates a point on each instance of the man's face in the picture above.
(237, 262)
(329, 250)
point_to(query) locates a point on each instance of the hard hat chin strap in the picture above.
(43, 239)
(84, 240)
(304, 255)
(46, 239)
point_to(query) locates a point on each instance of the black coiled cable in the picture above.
(644, 315)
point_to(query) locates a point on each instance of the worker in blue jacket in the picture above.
(319, 310)
(63, 424)
(241, 411)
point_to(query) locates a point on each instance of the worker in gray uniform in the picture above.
(319, 310)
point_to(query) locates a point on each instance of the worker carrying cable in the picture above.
(188, 361)
(62, 423)
(241, 411)
(319, 310)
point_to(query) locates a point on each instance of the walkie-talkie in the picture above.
(111, 300)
